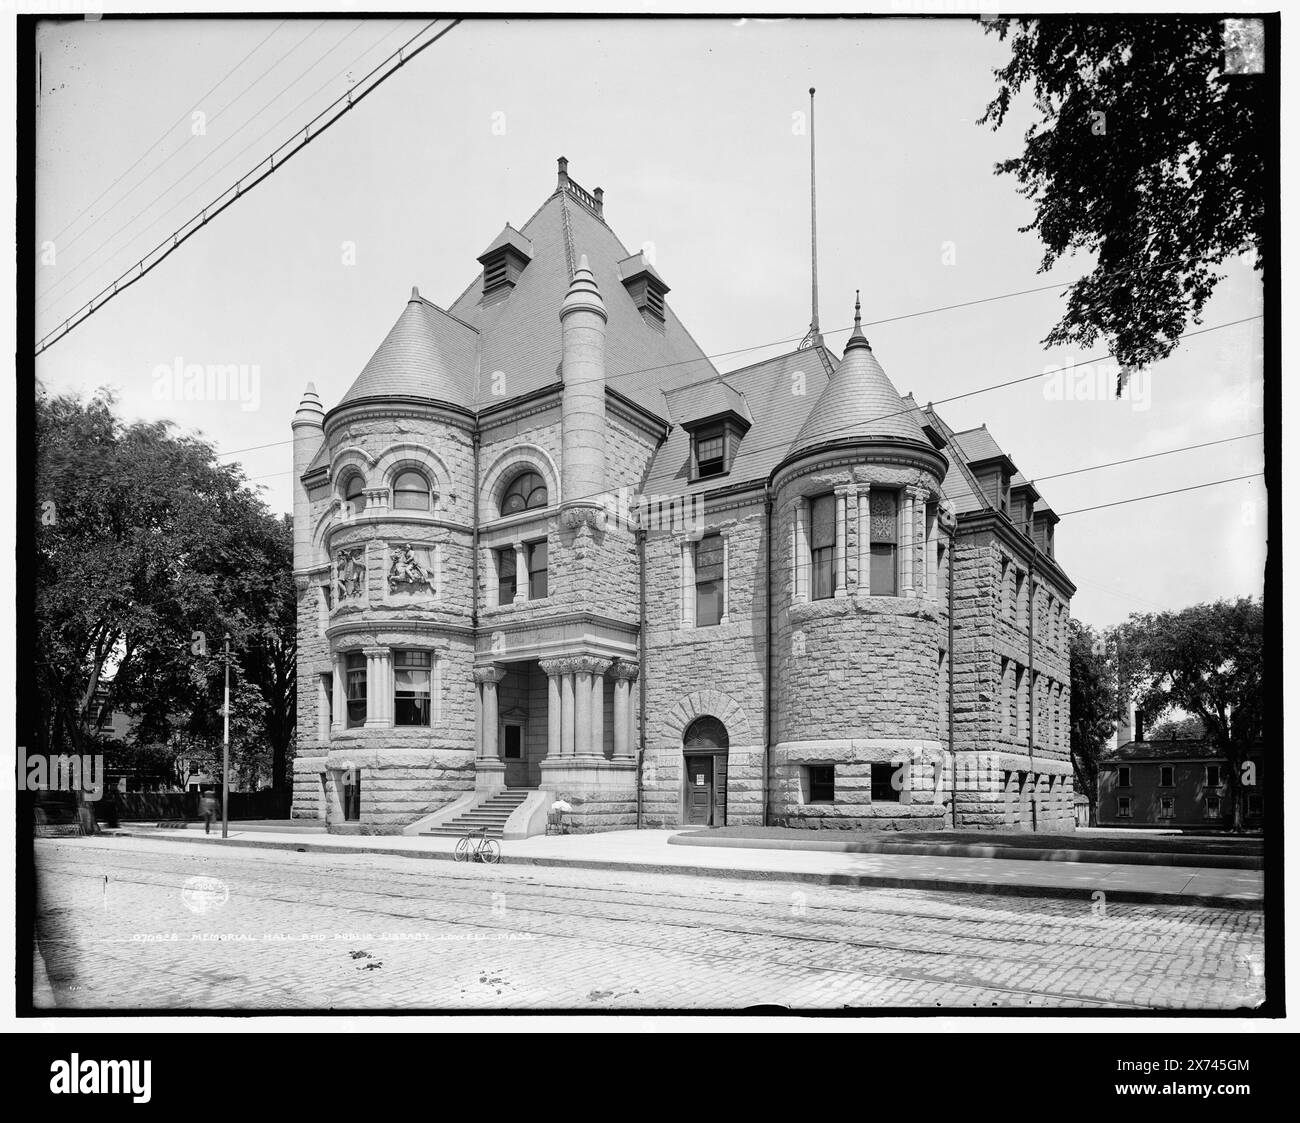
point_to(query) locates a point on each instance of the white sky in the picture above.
(688, 127)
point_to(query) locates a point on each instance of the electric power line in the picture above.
(208, 213)
(1158, 494)
(897, 413)
(1148, 456)
(148, 207)
(164, 134)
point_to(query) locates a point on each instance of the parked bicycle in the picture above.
(475, 846)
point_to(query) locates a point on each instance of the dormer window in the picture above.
(646, 288)
(714, 443)
(504, 260)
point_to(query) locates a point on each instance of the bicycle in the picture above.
(483, 850)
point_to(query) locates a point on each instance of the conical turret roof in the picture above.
(427, 354)
(858, 403)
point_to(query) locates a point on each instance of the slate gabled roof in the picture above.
(779, 394)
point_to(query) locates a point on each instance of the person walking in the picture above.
(208, 808)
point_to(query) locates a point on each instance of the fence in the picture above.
(164, 806)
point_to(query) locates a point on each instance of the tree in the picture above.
(1184, 729)
(1145, 153)
(149, 553)
(1092, 703)
(1207, 661)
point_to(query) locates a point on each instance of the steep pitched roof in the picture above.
(520, 335)
(427, 354)
(778, 392)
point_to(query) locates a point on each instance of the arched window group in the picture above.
(410, 491)
(526, 492)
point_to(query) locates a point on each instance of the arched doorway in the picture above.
(704, 751)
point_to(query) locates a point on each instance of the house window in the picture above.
(1166, 807)
(412, 687)
(1254, 805)
(355, 673)
(711, 452)
(327, 682)
(1213, 809)
(513, 748)
(884, 544)
(821, 783)
(410, 492)
(1021, 610)
(527, 491)
(709, 560)
(1166, 775)
(507, 582)
(1125, 808)
(886, 786)
(822, 539)
(352, 493)
(536, 569)
(1126, 777)
(1212, 777)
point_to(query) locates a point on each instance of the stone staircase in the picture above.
(490, 814)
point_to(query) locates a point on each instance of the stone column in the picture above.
(554, 669)
(932, 551)
(598, 707)
(582, 711)
(802, 576)
(377, 688)
(487, 677)
(521, 574)
(864, 540)
(841, 541)
(567, 727)
(624, 674)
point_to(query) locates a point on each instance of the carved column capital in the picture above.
(491, 672)
(626, 670)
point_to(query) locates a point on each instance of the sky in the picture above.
(697, 132)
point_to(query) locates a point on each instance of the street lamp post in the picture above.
(225, 749)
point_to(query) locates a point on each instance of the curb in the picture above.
(988, 850)
(843, 880)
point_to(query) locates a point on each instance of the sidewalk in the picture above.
(651, 851)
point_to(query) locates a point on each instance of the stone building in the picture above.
(544, 551)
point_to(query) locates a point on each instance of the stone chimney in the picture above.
(562, 179)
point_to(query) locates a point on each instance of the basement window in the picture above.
(884, 787)
(821, 783)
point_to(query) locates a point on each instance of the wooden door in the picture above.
(699, 791)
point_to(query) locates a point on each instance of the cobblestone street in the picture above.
(126, 926)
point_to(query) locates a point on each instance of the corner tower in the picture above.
(857, 642)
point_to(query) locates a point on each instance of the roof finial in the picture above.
(857, 339)
(814, 336)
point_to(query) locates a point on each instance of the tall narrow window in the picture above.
(327, 682)
(708, 581)
(537, 570)
(884, 543)
(822, 539)
(412, 687)
(352, 795)
(356, 683)
(507, 582)
(411, 492)
(352, 494)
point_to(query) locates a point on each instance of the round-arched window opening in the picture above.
(705, 733)
(352, 489)
(526, 491)
(410, 492)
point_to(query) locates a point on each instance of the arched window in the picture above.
(410, 492)
(352, 488)
(705, 733)
(526, 491)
